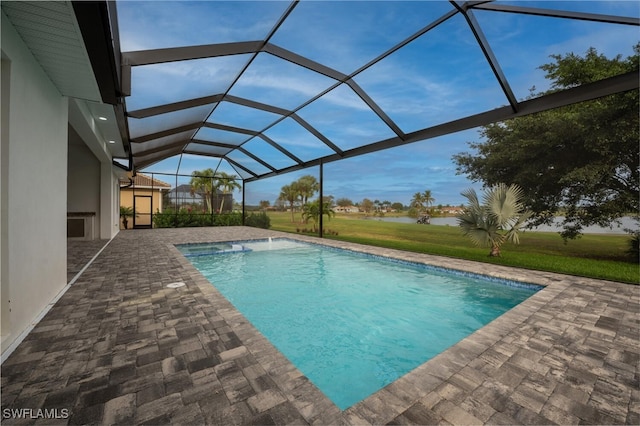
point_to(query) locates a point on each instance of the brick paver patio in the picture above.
(79, 253)
(121, 348)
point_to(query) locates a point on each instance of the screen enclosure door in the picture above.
(142, 208)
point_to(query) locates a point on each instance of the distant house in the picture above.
(145, 195)
(183, 196)
(346, 209)
(452, 210)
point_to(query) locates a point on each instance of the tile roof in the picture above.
(141, 180)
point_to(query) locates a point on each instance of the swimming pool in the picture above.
(353, 323)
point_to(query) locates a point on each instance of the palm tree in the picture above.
(289, 193)
(500, 218)
(227, 183)
(422, 200)
(312, 211)
(126, 212)
(202, 181)
(427, 198)
(307, 186)
(417, 201)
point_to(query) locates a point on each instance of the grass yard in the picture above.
(593, 255)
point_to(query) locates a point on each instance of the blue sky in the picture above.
(437, 78)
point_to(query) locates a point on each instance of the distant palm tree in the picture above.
(289, 193)
(500, 218)
(416, 201)
(227, 183)
(421, 202)
(427, 199)
(202, 181)
(307, 186)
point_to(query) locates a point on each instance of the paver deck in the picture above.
(120, 347)
(80, 253)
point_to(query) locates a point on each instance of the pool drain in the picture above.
(176, 285)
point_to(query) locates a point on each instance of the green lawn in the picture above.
(597, 256)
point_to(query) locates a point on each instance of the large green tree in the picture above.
(366, 205)
(264, 204)
(580, 160)
(344, 202)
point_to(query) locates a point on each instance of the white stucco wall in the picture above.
(109, 202)
(5, 75)
(83, 179)
(36, 199)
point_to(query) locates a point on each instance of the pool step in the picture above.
(235, 248)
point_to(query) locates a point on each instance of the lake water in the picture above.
(627, 222)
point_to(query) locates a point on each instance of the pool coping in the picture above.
(389, 402)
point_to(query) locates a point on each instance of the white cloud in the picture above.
(158, 24)
(283, 83)
(606, 39)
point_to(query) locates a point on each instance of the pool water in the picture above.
(353, 323)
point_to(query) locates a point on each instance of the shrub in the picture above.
(166, 219)
(258, 220)
(312, 231)
(413, 212)
(186, 217)
(227, 219)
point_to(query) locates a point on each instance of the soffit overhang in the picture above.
(53, 35)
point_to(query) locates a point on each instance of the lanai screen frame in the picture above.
(182, 139)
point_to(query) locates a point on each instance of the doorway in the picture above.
(142, 207)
